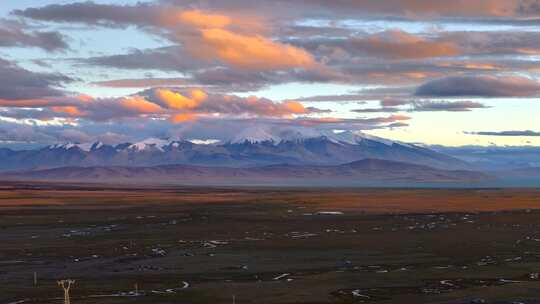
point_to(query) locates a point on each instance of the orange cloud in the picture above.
(390, 77)
(471, 65)
(198, 95)
(416, 75)
(529, 51)
(183, 117)
(201, 19)
(236, 40)
(398, 117)
(140, 105)
(198, 101)
(295, 107)
(399, 44)
(70, 110)
(174, 100)
(252, 52)
(177, 107)
(26, 103)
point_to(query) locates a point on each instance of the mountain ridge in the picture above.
(367, 170)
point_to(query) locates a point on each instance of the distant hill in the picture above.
(363, 171)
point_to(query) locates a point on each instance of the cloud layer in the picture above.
(196, 64)
(483, 86)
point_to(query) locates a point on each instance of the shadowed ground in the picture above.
(201, 245)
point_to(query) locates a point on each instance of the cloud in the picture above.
(161, 103)
(370, 121)
(427, 8)
(177, 101)
(411, 9)
(215, 78)
(392, 105)
(170, 58)
(482, 86)
(211, 51)
(142, 82)
(377, 110)
(392, 102)
(14, 133)
(17, 83)
(506, 133)
(449, 106)
(334, 98)
(237, 48)
(251, 52)
(94, 14)
(144, 14)
(397, 44)
(16, 34)
(238, 41)
(202, 128)
(402, 45)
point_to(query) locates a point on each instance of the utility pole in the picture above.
(66, 285)
(35, 278)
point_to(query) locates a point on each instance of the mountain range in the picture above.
(261, 158)
(322, 150)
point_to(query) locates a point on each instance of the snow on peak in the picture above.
(254, 135)
(274, 134)
(65, 146)
(96, 145)
(149, 143)
(204, 141)
(87, 147)
(356, 137)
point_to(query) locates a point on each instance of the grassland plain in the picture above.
(269, 245)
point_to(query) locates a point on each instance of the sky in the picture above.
(450, 73)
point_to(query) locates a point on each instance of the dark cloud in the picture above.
(423, 106)
(398, 44)
(387, 96)
(143, 82)
(390, 44)
(171, 58)
(393, 102)
(334, 98)
(506, 133)
(482, 86)
(17, 83)
(95, 14)
(16, 34)
(408, 9)
(378, 110)
(449, 106)
(203, 73)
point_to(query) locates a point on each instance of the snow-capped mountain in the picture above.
(249, 149)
